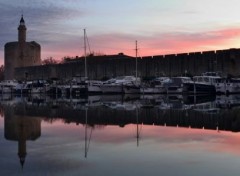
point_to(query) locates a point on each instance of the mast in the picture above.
(86, 122)
(85, 53)
(136, 59)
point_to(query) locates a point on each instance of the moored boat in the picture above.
(155, 86)
(201, 85)
(116, 85)
(175, 84)
(8, 86)
(94, 87)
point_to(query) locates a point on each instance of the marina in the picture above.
(205, 84)
(154, 89)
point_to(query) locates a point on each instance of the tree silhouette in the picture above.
(49, 61)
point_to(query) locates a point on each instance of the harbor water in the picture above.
(120, 135)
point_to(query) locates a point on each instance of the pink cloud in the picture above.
(159, 43)
(171, 43)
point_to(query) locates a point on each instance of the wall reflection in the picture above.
(207, 112)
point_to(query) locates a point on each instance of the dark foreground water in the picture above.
(115, 135)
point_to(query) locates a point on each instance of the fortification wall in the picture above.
(224, 61)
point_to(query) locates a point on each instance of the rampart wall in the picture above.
(224, 61)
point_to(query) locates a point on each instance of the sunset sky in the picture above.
(159, 26)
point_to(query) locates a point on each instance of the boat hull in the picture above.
(92, 89)
(131, 89)
(174, 90)
(198, 88)
(153, 90)
(112, 89)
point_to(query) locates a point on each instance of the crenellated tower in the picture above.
(20, 53)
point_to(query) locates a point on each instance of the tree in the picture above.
(68, 58)
(2, 72)
(49, 61)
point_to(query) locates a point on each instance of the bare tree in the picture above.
(68, 58)
(49, 61)
(2, 72)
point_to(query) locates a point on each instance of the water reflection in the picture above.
(196, 112)
(23, 115)
(21, 128)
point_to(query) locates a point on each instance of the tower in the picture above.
(20, 53)
(22, 31)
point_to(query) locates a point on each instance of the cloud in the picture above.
(165, 43)
(177, 42)
(56, 27)
(42, 19)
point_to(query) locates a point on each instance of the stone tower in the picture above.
(21, 53)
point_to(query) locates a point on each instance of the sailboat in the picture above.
(134, 86)
(91, 86)
(81, 86)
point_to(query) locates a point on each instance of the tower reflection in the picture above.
(21, 128)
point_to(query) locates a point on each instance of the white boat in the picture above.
(74, 89)
(175, 84)
(116, 85)
(8, 86)
(94, 86)
(131, 88)
(37, 86)
(155, 86)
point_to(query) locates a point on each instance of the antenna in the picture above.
(136, 59)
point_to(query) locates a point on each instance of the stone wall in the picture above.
(224, 61)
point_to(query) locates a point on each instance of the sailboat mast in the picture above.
(85, 53)
(136, 59)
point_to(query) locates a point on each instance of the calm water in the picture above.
(115, 135)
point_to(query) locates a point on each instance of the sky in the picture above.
(160, 26)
